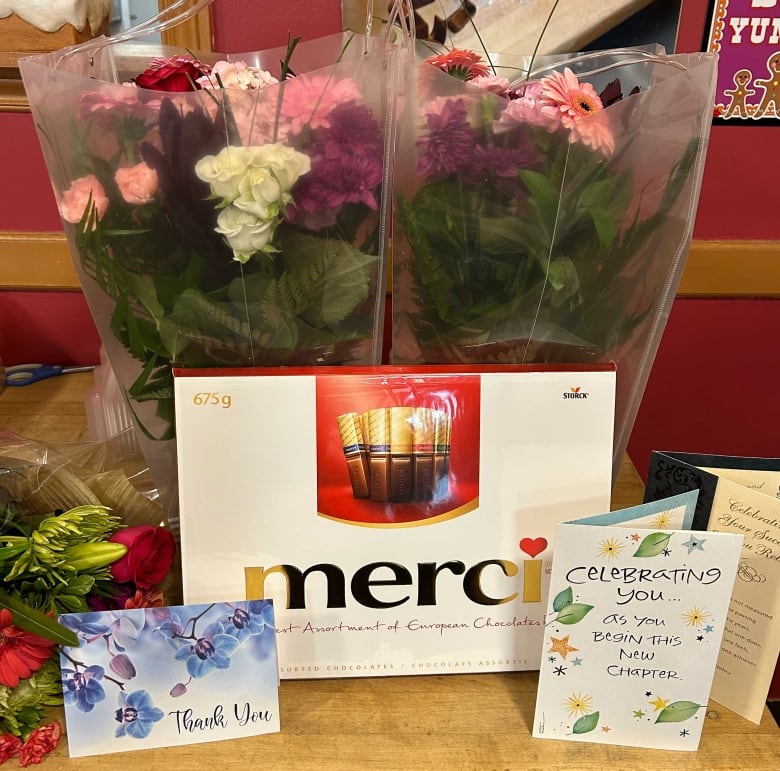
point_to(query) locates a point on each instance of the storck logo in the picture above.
(575, 392)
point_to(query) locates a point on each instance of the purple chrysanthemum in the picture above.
(449, 144)
(354, 130)
(504, 162)
(333, 182)
(346, 168)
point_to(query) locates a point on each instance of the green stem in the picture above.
(479, 37)
(539, 39)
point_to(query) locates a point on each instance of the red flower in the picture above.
(40, 742)
(175, 74)
(21, 653)
(10, 747)
(146, 598)
(149, 555)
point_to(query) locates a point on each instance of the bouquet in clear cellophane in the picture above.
(81, 530)
(220, 210)
(543, 210)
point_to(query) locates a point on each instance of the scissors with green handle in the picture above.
(24, 374)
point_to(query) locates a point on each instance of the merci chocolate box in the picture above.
(401, 519)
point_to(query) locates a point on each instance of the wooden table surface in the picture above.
(446, 721)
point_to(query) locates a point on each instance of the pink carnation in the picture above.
(528, 108)
(493, 83)
(236, 74)
(83, 192)
(137, 184)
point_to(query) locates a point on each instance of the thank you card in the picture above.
(159, 677)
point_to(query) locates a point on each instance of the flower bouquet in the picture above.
(221, 211)
(545, 215)
(76, 535)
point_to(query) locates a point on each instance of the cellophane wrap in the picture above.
(519, 240)
(259, 238)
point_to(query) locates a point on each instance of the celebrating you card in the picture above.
(633, 628)
(159, 677)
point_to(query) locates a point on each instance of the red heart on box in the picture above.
(533, 546)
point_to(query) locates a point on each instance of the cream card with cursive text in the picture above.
(159, 677)
(737, 495)
(633, 629)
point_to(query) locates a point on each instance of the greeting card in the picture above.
(159, 677)
(633, 628)
(737, 495)
(401, 518)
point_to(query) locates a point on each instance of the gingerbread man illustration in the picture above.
(737, 106)
(771, 101)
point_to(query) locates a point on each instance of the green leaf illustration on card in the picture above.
(562, 599)
(586, 723)
(678, 711)
(573, 613)
(653, 545)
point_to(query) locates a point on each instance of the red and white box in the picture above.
(401, 519)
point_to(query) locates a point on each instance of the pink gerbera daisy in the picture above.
(461, 64)
(573, 99)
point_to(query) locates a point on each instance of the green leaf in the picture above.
(653, 545)
(328, 295)
(544, 192)
(35, 622)
(678, 711)
(586, 723)
(564, 280)
(146, 294)
(573, 613)
(606, 201)
(562, 599)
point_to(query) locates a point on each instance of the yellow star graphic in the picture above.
(561, 645)
(660, 703)
(606, 729)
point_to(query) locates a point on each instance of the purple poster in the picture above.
(746, 34)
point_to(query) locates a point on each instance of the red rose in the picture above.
(10, 746)
(149, 555)
(40, 742)
(177, 73)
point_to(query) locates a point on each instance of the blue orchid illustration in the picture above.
(87, 625)
(126, 629)
(136, 715)
(249, 619)
(83, 689)
(210, 651)
(171, 626)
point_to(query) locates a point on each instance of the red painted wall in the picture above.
(713, 386)
(26, 197)
(249, 25)
(51, 327)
